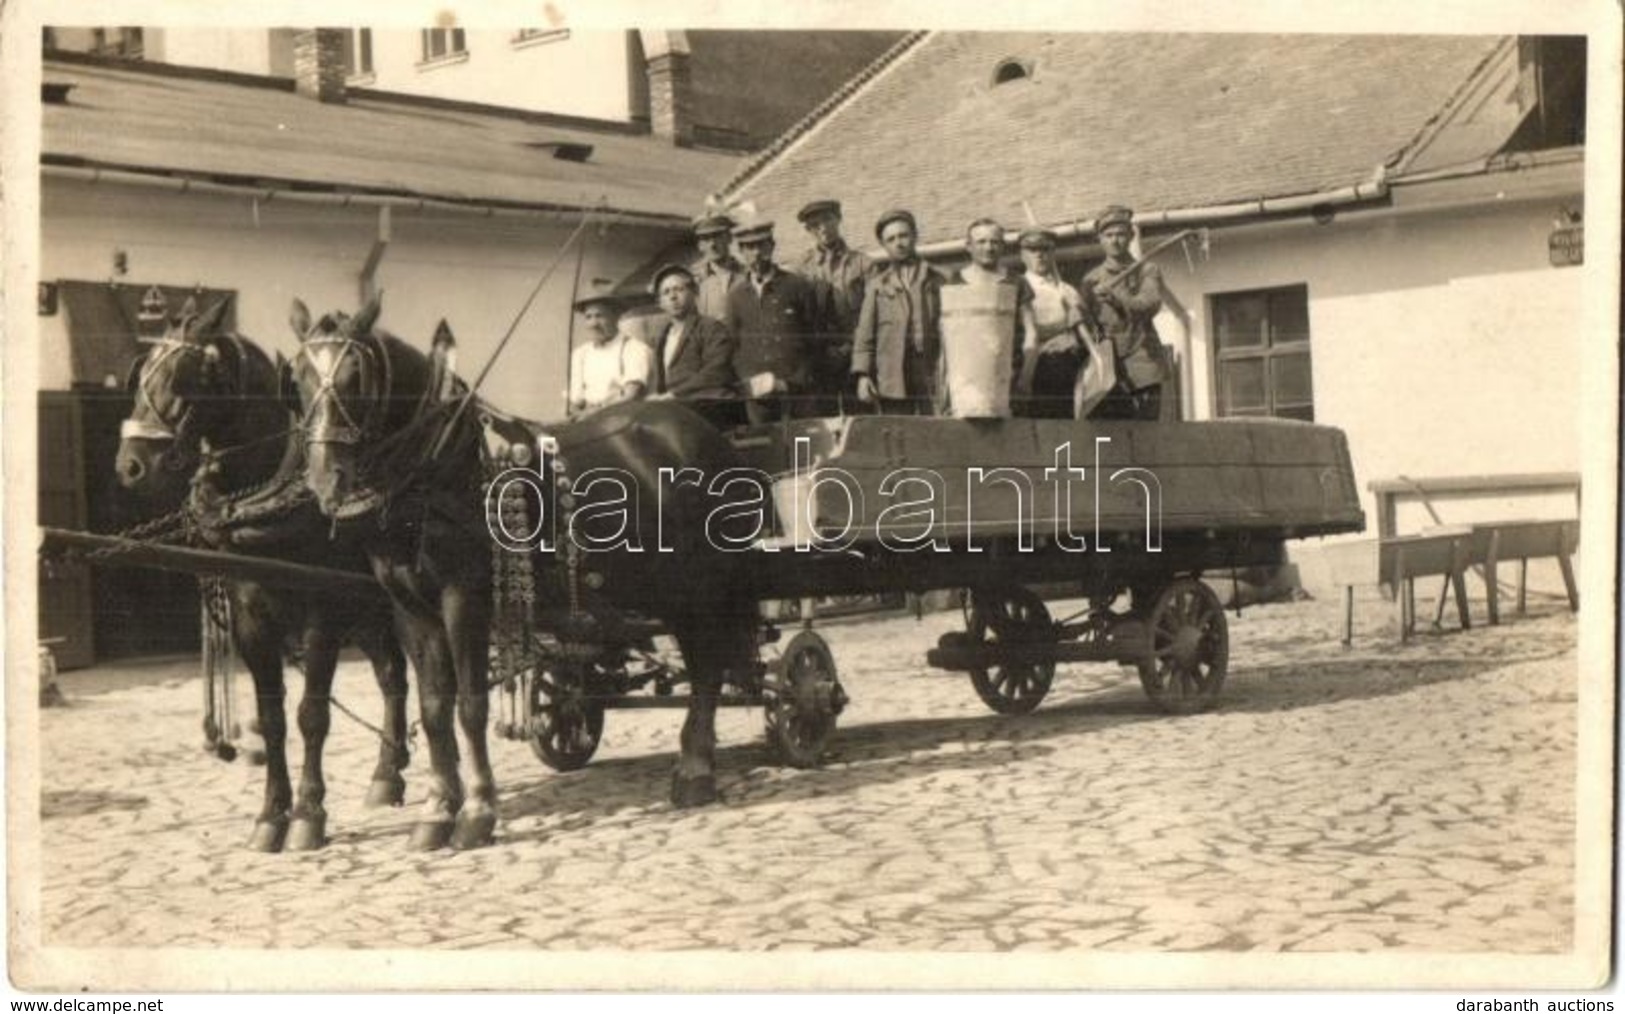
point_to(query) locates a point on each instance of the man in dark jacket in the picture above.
(897, 346)
(841, 273)
(693, 354)
(1125, 299)
(777, 319)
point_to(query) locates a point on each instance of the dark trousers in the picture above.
(1053, 381)
(1123, 403)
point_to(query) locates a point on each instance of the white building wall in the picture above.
(581, 74)
(472, 270)
(235, 49)
(1443, 343)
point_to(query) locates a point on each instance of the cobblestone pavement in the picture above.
(1381, 797)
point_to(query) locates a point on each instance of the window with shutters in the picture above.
(1261, 352)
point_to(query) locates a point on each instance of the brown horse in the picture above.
(372, 424)
(215, 401)
(372, 420)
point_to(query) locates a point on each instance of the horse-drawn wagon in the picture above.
(555, 555)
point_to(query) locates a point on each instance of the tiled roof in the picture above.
(235, 131)
(1162, 122)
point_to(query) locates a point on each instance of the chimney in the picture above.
(671, 93)
(318, 63)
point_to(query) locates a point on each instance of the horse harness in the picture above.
(157, 426)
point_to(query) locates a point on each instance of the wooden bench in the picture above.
(1390, 493)
(1449, 552)
(1523, 541)
(1398, 561)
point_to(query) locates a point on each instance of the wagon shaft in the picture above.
(112, 551)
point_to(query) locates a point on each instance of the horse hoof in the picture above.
(386, 792)
(687, 792)
(307, 834)
(474, 831)
(268, 836)
(431, 836)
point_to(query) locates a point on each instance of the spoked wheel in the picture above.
(801, 713)
(565, 725)
(1189, 648)
(1010, 616)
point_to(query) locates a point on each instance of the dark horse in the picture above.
(210, 407)
(378, 450)
(362, 390)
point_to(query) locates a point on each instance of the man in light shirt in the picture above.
(610, 366)
(1058, 311)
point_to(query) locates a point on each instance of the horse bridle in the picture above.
(346, 429)
(156, 426)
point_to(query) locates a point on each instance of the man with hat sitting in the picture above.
(693, 353)
(777, 319)
(717, 272)
(897, 347)
(1125, 298)
(611, 366)
(841, 272)
(1050, 370)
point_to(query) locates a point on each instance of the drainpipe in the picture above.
(1218, 214)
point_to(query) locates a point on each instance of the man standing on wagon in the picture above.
(1057, 312)
(1125, 299)
(777, 319)
(897, 346)
(841, 273)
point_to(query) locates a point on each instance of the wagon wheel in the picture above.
(1189, 650)
(1012, 616)
(565, 725)
(801, 713)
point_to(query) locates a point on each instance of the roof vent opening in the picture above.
(564, 151)
(1011, 69)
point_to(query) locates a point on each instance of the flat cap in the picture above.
(755, 233)
(710, 225)
(669, 269)
(1036, 239)
(1115, 214)
(895, 215)
(812, 209)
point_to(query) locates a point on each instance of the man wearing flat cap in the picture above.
(777, 319)
(693, 354)
(841, 272)
(1058, 313)
(717, 271)
(897, 347)
(611, 366)
(1125, 299)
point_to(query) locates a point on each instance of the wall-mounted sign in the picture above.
(1567, 245)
